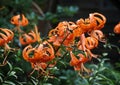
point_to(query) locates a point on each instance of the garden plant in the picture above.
(64, 57)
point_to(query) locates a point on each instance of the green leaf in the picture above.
(19, 83)
(63, 63)
(91, 78)
(63, 77)
(47, 84)
(19, 69)
(96, 83)
(1, 79)
(104, 54)
(85, 81)
(1, 75)
(102, 69)
(104, 77)
(12, 73)
(34, 80)
(8, 83)
(10, 66)
(19, 53)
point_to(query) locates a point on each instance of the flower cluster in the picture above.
(83, 35)
(67, 32)
(42, 53)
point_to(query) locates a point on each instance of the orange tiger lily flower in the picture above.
(83, 59)
(53, 37)
(78, 32)
(62, 34)
(33, 58)
(87, 24)
(69, 40)
(47, 51)
(78, 64)
(117, 28)
(15, 20)
(95, 21)
(29, 38)
(98, 34)
(19, 20)
(91, 42)
(74, 61)
(86, 45)
(6, 35)
(43, 53)
(55, 40)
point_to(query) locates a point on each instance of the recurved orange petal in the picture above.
(83, 58)
(15, 20)
(9, 34)
(24, 21)
(98, 34)
(100, 19)
(91, 42)
(74, 61)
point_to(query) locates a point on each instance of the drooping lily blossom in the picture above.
(29, 38)
(86, 25)
(6, 36)
(62, 34)
(78, 63)
(117, 28)
(87, 44)
(19, 20)
(42, 53)
(74, 61)
(95, 21)
(91, 43)
(98, 34)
